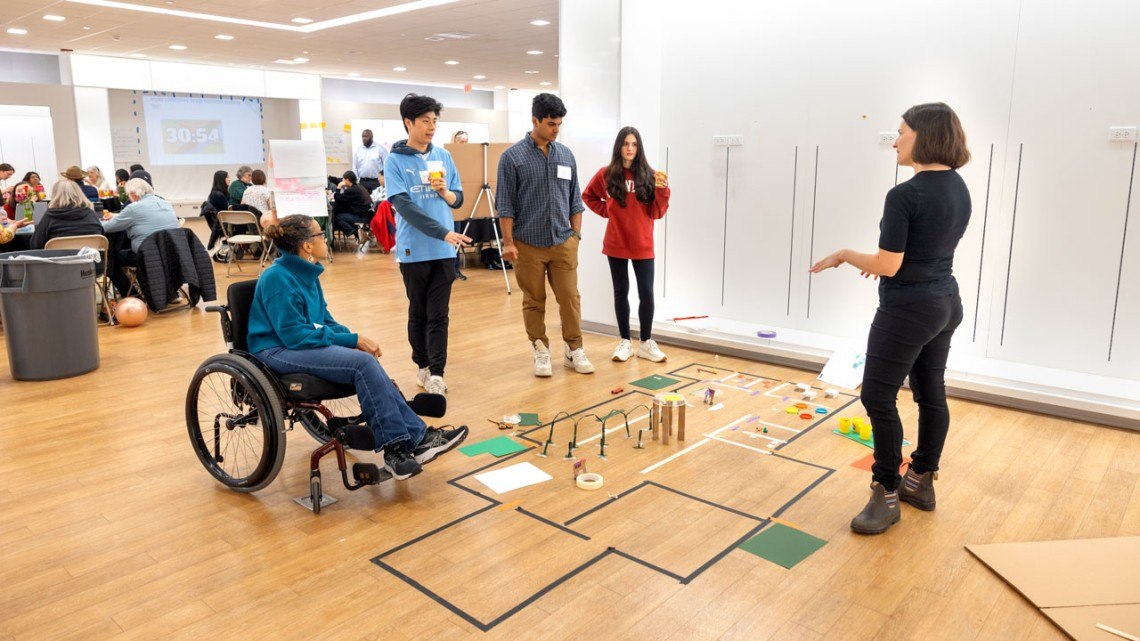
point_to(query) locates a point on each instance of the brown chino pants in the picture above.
(558, 264)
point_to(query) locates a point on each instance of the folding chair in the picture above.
(103, 288)
(229, 221)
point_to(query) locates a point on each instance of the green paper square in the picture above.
(655, 382)
(498, 446)
(782, 545)
(854, 436)
(528, 419)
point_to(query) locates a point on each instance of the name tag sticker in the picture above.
(564, 172)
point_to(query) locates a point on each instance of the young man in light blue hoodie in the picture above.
(423, 187)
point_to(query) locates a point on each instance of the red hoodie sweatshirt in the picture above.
(629, 232)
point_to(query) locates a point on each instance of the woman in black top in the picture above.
(919, 309)
(351, 205)
(219, 190)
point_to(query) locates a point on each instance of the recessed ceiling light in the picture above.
(86, 28)
(545, 83)
(353, 74)
(480, 77)
(52, 18)
(435, 38)
(301, 20)
(305, 52)
(534, 52)
(529, 71)
(294, 61)
(178, 47)
(222, 36)
(450, 62)
(16, 31)
(399, 68)
(540, 23)
(138, 55)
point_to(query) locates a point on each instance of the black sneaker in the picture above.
(437, 441)
(400, 463)
(459, 275)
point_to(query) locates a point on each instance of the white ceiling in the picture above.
(502, 36)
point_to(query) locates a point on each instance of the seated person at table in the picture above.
(138, 171)
(8, 232)
(77, 175)
(259, 197)
(351, 205)
(146, 214)
(219, 190)
(291, 330)
(33, 179)
(121, 178)
(69, 214)
(10, 203)
(96, 179)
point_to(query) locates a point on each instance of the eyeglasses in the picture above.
(316, 235)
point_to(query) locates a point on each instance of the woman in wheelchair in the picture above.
(291, 330)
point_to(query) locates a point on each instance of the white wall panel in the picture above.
(93, 117)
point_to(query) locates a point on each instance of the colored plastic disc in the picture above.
(821, 410)
(790, 410)
(806, 416)
(802, 406)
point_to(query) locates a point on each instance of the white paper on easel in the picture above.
(845, 368)
(513, 477)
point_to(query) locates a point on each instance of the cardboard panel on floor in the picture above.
(1080, 623)
(1081, 572)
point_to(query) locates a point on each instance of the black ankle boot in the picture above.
(880, 513)
(918, 489)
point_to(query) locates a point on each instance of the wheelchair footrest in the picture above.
(369, 474)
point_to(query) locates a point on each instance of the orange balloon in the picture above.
(131, 312)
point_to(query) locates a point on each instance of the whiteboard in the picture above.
(28, 143)
(297, 177)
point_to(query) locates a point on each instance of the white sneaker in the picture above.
(624, 351)
(649, 351)
(422, 377)
(577, 360)
(435, 385)
(541, 360)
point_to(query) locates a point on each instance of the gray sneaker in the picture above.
(918, 489)
(437, 441)
(400, 462)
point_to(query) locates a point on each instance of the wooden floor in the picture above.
(111, 529)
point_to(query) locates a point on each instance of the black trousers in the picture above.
(123, 258)
(909, 340)
(428, 286)
(371, 184)
(643, 272)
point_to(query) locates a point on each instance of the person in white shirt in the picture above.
(258, 195)
(368, 162)
(6, 172)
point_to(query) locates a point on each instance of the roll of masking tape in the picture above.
(589, 481)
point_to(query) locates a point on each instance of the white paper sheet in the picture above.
(512, 478)
(845, 368)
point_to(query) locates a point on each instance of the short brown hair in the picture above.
(939, 137)
(258, 177)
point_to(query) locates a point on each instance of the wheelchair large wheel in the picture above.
(314, 422)
(236, 423)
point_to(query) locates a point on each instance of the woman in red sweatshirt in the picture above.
(630, 196)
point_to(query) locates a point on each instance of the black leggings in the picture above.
(911, 339)
(643, 271)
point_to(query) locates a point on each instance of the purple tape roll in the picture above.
(766, 333)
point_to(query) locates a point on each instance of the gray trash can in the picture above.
(48, 311)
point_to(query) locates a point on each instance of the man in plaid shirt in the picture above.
(540, 210)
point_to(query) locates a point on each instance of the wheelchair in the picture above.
(238, 412)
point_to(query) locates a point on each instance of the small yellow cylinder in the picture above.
(865, 431)
(844, 425)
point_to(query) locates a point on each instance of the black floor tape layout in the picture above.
(760, 522)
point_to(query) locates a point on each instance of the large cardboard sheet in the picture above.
(1083, 572)
(1080, 623)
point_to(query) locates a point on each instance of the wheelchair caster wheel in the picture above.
(315, 492)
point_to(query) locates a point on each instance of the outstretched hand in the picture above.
(456, 239)
(833, 260)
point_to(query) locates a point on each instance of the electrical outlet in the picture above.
(1122, 134)
(729, 140)
(888, 138)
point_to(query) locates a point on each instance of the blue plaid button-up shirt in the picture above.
(531, 192)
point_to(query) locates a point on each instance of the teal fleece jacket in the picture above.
(289, 309)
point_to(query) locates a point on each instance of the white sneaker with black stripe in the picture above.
(422, 377)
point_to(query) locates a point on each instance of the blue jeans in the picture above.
(385, 409)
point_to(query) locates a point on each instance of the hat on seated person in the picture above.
(74, 173)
